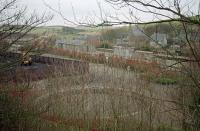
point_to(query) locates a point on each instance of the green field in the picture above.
(61, 32)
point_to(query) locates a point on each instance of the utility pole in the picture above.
(129, 33)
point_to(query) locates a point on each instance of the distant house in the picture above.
(82, 37)
(158, 40)
(124, 50)
(60, 43)
(123, 41)
(80, 47)
(78, 44)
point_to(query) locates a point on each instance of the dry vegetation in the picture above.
(116, 94)
(106, 98)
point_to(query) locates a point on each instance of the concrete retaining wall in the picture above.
(43, 67)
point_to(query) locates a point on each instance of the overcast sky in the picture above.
(71, 9)
(82, 10)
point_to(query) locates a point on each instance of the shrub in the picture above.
(165, 81)
(146, 48)
(105, 45)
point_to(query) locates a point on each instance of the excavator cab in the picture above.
(26, 59)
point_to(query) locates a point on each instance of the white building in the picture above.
(80, 47)
(158, 40)
(77, 45)
(124, 50)
(60, 43)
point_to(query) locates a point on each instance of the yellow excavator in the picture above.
(26, 59)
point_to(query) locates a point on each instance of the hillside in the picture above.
(63, 32)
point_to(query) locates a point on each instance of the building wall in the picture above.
(126, 52)
(158, 44)
(159, 40)
(143, 55)
(80, 47)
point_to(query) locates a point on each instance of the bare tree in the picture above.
(16, 23)
(186, 14)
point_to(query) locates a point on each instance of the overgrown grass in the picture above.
(146, 48)
(163, 78)
(107, 98)
(60, 32)
(165, 81)
(148, 70)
